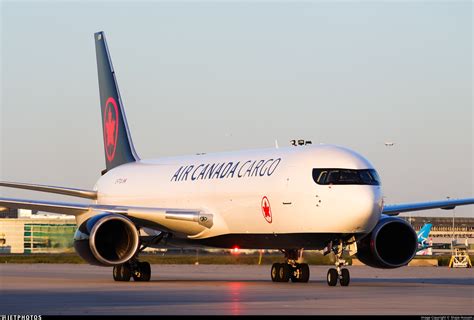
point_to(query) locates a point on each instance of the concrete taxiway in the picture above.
(51, 289)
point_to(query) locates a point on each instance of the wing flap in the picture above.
(395, 209)
(81, 193)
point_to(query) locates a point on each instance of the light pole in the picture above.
(454, 214)
(464, 230)
(452, 237)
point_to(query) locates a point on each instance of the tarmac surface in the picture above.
(55, 289)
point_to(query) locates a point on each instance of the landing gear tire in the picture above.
(274, 272)
(339, 274)
(291, 269)
(345, 278)
(300, 273)
(142, 272)
(332, 277)
(122, 272)
(283, 273)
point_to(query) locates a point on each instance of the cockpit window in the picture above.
(346, 176)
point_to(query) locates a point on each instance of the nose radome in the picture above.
(366, 208)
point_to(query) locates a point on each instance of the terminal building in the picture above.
(21, 231)
(443, 234)
(24, 231)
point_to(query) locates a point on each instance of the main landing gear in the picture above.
(297, 272)
(338, 273)
(138, 270)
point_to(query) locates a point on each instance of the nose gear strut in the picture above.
(338, 273)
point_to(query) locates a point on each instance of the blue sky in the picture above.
(219, 76)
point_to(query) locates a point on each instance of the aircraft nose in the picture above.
(366, 203)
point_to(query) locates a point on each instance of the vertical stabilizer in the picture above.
(118, 146)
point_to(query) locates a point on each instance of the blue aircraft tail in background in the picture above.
(423, 236)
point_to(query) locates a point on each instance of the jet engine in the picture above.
(391, 244)
(106, 239)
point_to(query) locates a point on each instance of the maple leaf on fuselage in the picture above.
(266, 209)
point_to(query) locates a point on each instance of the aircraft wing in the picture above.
(395, 209)
(47, 206)
(88, 194)
(167, 217)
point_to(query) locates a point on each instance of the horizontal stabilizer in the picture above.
(88, 194)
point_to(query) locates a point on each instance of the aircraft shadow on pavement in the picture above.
(354, 281)
(452, 281)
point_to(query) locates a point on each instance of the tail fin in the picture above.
(424, 232)
(118, 144)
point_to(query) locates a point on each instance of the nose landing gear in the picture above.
(338, 273)
(291, 269)
(341, 274)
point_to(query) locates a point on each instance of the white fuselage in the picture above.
(231, 186)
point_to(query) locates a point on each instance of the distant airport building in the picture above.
(8, 213)
(442, 232)
(36, 233)
(17, 213)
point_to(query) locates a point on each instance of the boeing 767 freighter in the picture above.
(312, 196)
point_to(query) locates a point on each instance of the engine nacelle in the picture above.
(106, 239)
(392, 244)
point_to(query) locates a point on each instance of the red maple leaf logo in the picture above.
(266, 210)
(110, 128)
